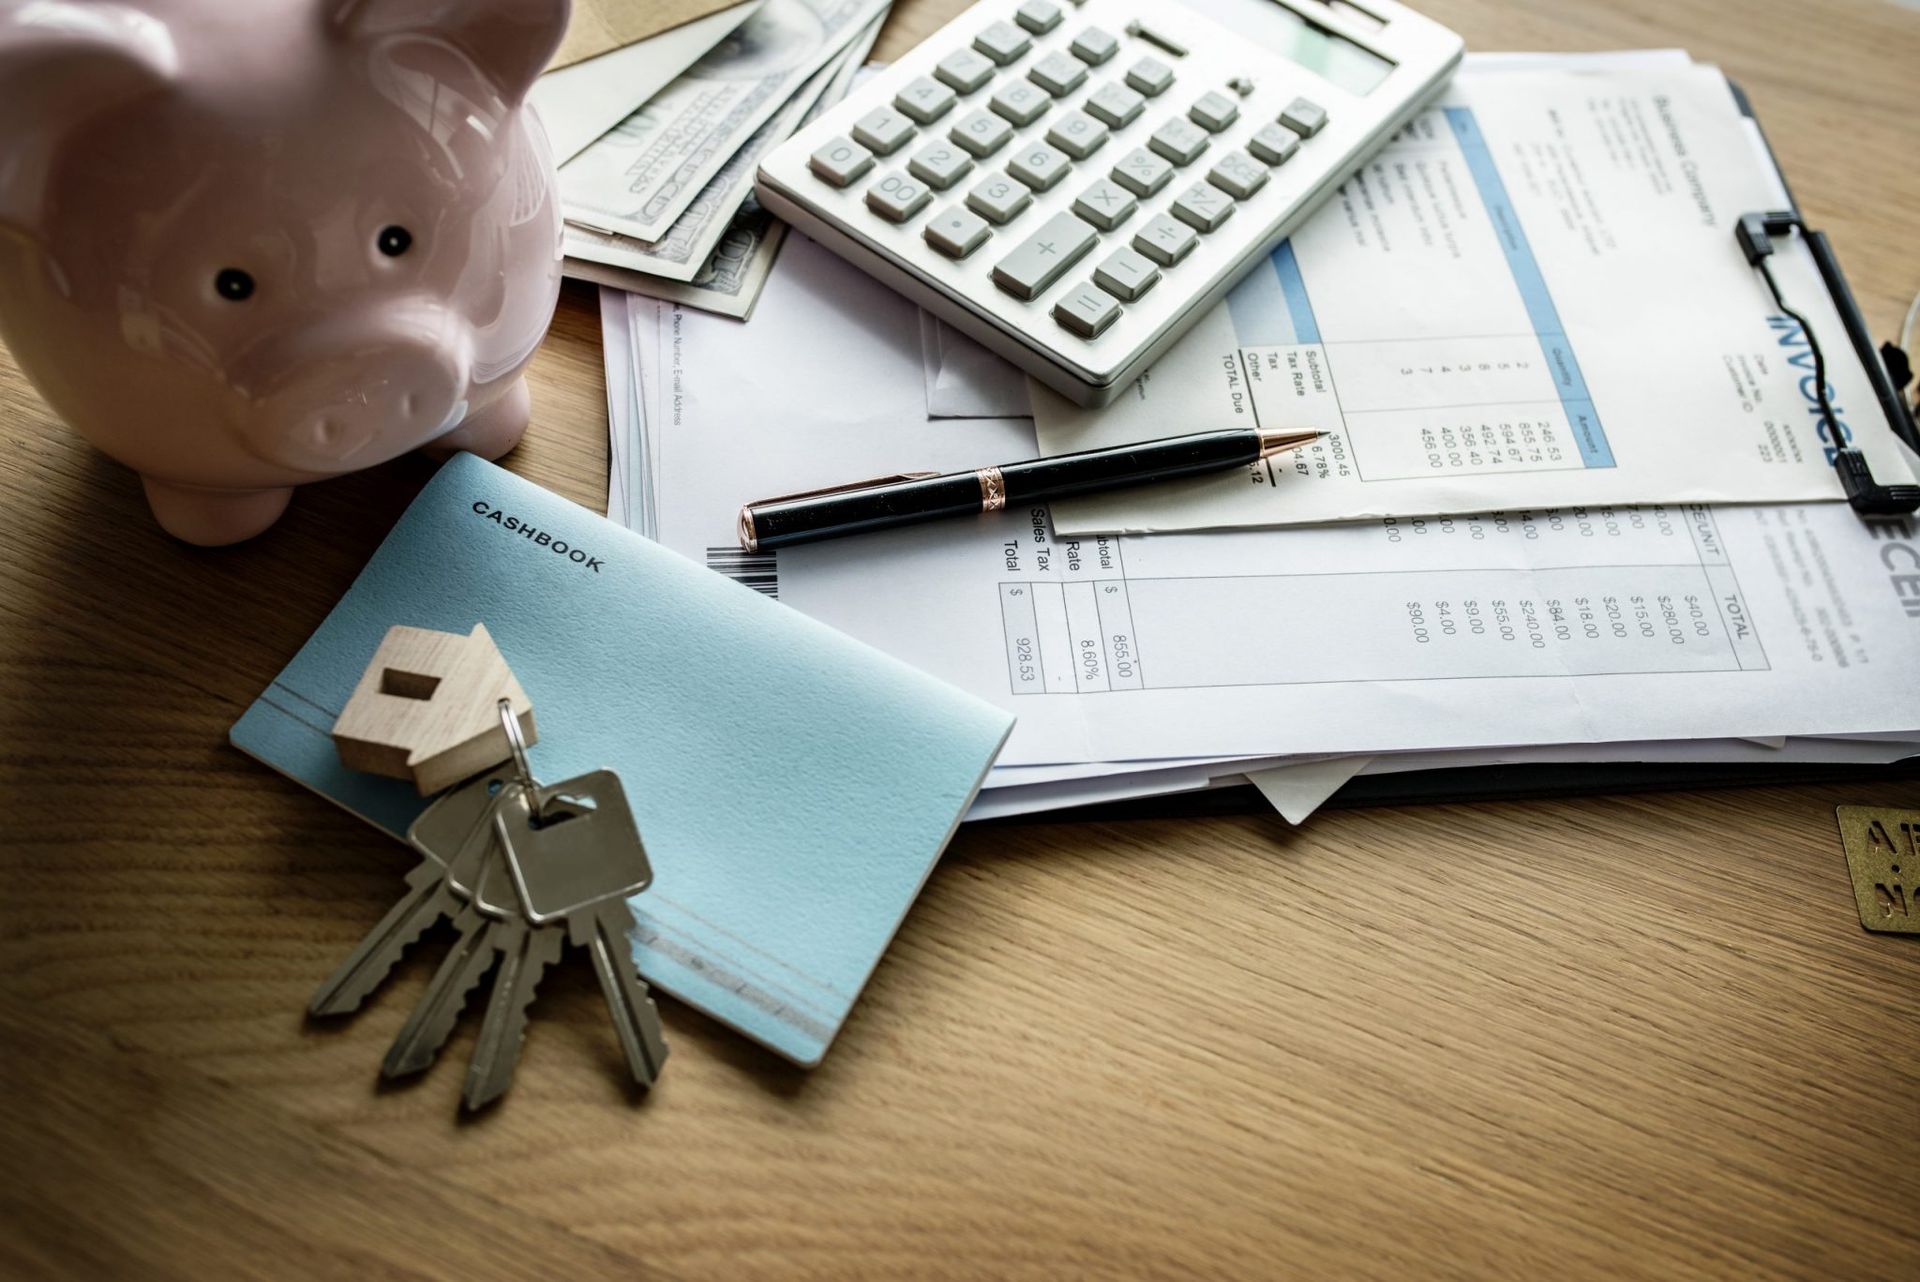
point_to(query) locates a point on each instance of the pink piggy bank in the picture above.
(246, 245)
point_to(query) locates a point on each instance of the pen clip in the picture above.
(750, 542)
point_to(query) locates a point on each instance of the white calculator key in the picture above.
(1150, 76)
(1165, 241)
(1094, 46)
(1038, 165)
(841, 161)
(1214, 112)
(1304, 117)
(964, 70)
(1116, 104)
(1044, 257)
(999, 198)
(942, 164)
(925, 99)
(1077, 134)
(1126, 275)
(1202, 207)
(1020, 101)
(983, 133)
(897, 197)
(1086, 311)
(882, 130)
(1180, 141)
(1003, 42)
(1274, 144)
(956, 233)
(1142, 173)
(1038, 16)
(1106, 205)
(1238, 174)
(1058, 74)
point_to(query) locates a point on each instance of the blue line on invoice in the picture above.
(1565, 369)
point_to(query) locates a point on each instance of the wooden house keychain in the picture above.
(519, 867)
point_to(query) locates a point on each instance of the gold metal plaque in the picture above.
(1883, 856)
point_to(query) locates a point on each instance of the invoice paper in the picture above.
(1547, 626)
(1531, 297)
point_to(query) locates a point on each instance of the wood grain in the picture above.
(1452, 1042)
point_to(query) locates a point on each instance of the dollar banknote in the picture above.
(729, 282)
(640, 177)
(682, 253)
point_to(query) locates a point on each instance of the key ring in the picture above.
(517, 743)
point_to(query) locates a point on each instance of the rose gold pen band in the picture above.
(993, 489)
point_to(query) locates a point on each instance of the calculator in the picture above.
(1073, 184)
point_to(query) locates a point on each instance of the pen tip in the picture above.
(1274, 442)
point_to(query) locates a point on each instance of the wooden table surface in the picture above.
(1640, 1036)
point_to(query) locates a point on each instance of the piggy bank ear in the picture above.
(61, 64)
(509, 40)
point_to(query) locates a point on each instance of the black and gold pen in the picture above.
(912, 497)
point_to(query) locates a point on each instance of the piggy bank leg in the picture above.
(212, 518)
(492, 431)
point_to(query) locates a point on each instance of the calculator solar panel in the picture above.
(1073, 184)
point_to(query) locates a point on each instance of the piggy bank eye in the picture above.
(394, 241)
(233, 285)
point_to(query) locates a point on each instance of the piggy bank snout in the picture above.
(354, 389)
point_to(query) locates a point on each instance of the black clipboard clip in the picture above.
(1755, 234)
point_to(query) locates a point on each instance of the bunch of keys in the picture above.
(519, 869)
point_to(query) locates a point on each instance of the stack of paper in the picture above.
(658, 141)
(1142, 664)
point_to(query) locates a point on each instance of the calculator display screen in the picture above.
(1290, 33)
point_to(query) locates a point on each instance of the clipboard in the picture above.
(1557, 779)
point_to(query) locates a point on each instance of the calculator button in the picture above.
(998, 199)
(1203, 208)
(1038, 16)
(1022, 102)
(1038, 166)
(925, 99)
(883, 130)
(956, 233)
(1150, 76)
(1086, 311)
(1304, 117)
(1094, 46)
(1214, 112)
(1115, 104)
(1238, 174)
(1058, 74)
(1106, 205)
(897, 197)
(1141, 172)
(983, 133)
(1165, 241)
(841, 161)
(1044, 257)
(1126, 275)
(1274, 144)
(1003, 42)
(1179, 141)
(963, 70)
(941, 165)
(1077, 134)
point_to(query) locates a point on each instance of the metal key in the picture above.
(437, 834)
(581, 870)
(525, 952)
(426, 901)
(431, 1023)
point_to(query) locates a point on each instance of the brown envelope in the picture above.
(601, 26)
